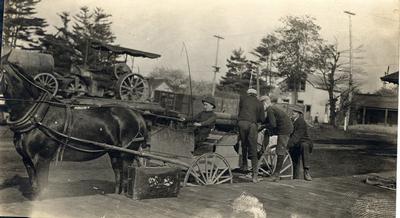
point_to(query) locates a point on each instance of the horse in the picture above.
(46, 128)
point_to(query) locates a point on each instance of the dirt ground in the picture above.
(86, 189)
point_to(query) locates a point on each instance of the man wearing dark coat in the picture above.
(205, 120)
(300, 144)
(277, 122)
(250, 113)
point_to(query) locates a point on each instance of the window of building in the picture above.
(285, 101)
(300, 101)
(300, 84)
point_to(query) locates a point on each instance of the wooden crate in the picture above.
(153, 182)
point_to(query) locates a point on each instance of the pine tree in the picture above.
(90, 27)
(21, 28)
(60, 45)
(237, 78)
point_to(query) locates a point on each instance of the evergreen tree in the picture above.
(21, 28)
(237, 77)
(60, 45)
(266, 53)
(90, 27)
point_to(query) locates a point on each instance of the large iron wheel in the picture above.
(209, 169)
(132, 86)
(47, 81)
(268, 159)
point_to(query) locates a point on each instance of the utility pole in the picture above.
(216, 68)
(347, 117)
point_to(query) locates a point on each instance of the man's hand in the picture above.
(196, 124)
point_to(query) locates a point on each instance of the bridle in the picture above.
(36, 111)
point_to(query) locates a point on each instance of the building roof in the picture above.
(314, 80)
(156, 82)
(392, 78)
(376, 101)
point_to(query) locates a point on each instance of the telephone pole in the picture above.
(347, 117)
(216, 68)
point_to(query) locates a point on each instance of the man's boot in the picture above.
(307, 175)
(279, 162)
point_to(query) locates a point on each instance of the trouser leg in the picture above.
(295, 155)
(305, 155)
(243, 132)
(253, 148)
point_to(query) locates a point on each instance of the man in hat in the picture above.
(278, 123)
(251, 112)
(205, 120)
(300, 145)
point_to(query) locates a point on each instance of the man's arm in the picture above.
(210, 120)
(260, 113)
(271, 118)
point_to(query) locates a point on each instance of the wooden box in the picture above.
(153, 182)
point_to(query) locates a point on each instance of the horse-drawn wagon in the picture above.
(111, 77)
(83, 129)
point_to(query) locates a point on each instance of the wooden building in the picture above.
(375, 109)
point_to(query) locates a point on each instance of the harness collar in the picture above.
(35, 113)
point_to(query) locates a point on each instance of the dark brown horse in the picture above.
(35, 118)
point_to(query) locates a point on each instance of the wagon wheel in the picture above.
(47, 81)
(209, 169)
(267, 161)
(76, 88)
(132, 86)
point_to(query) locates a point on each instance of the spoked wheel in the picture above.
(132, 86)
(76, 88)
(209, 169)
(267, 164)
(268, 159)
(47, 81)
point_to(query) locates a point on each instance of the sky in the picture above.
(162, 26)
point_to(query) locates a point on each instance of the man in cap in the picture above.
(205, 120)
(250, 113)
(300, 145)
(277, 123)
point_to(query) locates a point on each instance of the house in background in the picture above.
(159, 85)
(374, 109)
(311, 95)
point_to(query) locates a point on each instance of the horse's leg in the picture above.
(30, 169)
(42, 172)
(116, 164)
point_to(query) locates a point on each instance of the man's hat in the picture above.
(210, 100)
(298, 109)
(252, 91)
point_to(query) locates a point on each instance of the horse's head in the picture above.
(17, 88)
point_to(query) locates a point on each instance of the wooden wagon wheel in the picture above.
(267, 164)
(47, 81)
(209, 169)
(132, 86)
(267, 161)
